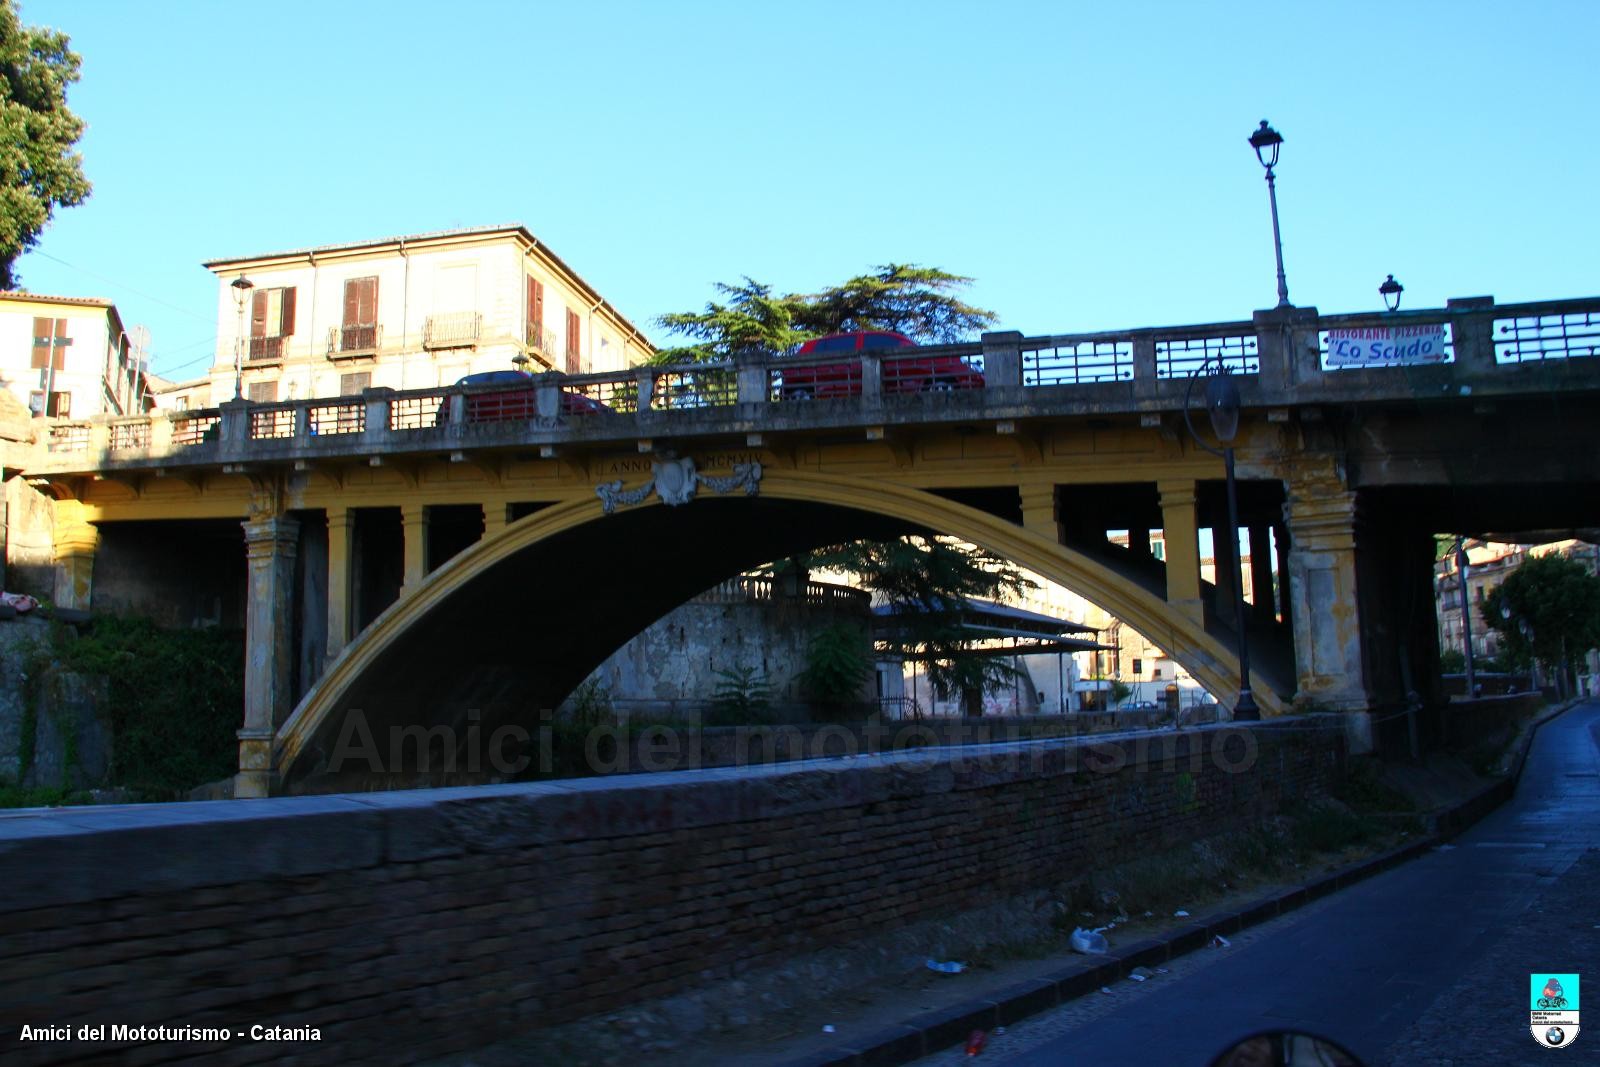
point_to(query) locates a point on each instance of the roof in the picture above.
(512, 228)
(42, 298)
(991, 609)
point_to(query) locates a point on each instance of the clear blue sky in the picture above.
(1085, 162)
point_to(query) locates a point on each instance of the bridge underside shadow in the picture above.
(518, 637)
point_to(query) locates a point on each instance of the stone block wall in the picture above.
(406, 925)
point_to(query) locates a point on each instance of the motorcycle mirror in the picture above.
(1281, 1048)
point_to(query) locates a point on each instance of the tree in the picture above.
(929, 585)
(919, 302)
(1558, 600)
(39, 169)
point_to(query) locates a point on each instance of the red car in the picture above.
(513, 397)
(902, 374)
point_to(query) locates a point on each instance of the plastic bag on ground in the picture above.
(1089, 942)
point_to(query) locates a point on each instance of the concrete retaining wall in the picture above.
(404, 925)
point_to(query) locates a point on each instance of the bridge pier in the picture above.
(76, 540)
(1321, 518)
(341, 532)
(414, 527)
(270, 545)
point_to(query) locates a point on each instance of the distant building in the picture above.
(67, 356)
(415, 312)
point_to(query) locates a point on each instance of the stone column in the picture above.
(414, 525)
(494, 518)
(269, 612)
(341, 530)
(1039, 511)
(1225, 570)
(76, 540)
(1181, 534)
(1261, 572)
(1321, 516)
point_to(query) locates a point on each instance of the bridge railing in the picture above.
(1285, 350)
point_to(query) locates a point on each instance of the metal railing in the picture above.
(68, 437)
(1076, 361)
(272, 423)
(358, 340)
(196, 428)
(418, 411)
(456, 329)
(128, 436)
(1184, 355)
(345, 417)
(266, 349)
(707, 386)
(1559, 334)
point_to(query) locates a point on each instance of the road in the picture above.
(1426, 963)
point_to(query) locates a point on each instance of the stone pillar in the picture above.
(76, 540)
(1261, 572)
(495, 517)
(414, 525)
(341, 530)
(1321, 516)
(1181, 533)
(1139, 544)
(1281, 543)
(1002, 359)
(1039, 511)
(269, 613)
(1225, 572)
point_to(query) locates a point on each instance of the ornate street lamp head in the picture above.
(241, 288)
(1390, 290)
(1222, 404)
(1266, 141)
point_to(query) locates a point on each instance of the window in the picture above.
(263, 392)
(574, 343)
(1138, 666)
(1155, 673)
(353, 384)
(359, 330)
(533, 312)
(50, 343)
(271, 322)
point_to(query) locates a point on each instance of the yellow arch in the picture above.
(1207, 660)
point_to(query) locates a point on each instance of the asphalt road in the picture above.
(1426, 963)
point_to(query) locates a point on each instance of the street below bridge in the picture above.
(1426, 964)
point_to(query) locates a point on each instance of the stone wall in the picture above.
(405, 925)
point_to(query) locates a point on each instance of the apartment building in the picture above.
(413, 312)
(67, 356)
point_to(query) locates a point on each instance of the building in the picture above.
(415, 312)
(67, 356)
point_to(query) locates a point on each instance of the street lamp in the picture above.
(1390, 290)
(241, 292)
(1222, 404)
(1266, 142)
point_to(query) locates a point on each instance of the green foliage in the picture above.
(1452, 661)
(930, 583)
(903, 297)
(838, 661)
(39, 170)
(742, 696)
(919, 302)
(1327, 827)
(1558, 599)
(591, 704)
(1120, 691)
(177, 698)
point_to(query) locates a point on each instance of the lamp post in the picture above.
(1266, 142)
(241, 291)
(1466, 608)
(1390, 290)
(1222, 404)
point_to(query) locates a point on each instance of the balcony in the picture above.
(266, 350)
(355, 341)
(456, 329)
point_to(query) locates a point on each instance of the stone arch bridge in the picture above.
(408, 556)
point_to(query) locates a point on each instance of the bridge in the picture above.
(422, 557)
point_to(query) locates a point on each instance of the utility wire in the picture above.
(121, 285)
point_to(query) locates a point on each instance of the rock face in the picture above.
(71, 729)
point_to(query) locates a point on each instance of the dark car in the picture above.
(901, 374)
(512, 395)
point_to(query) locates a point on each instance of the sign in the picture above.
(1553, 1008)
(1386, 346)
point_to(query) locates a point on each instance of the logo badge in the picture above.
(1553, 1008)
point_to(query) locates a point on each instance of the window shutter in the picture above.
(258, 313)
(43, 331)
(574, 343)
(352, 301)
(58, 357)
(286, 324)
(369, 301)
(353, 384)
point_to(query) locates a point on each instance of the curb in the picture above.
(934, 1031)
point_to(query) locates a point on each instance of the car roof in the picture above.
(493, 377)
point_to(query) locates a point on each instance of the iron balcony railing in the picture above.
(457, 329)
(267, 349)
(1282, 359)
